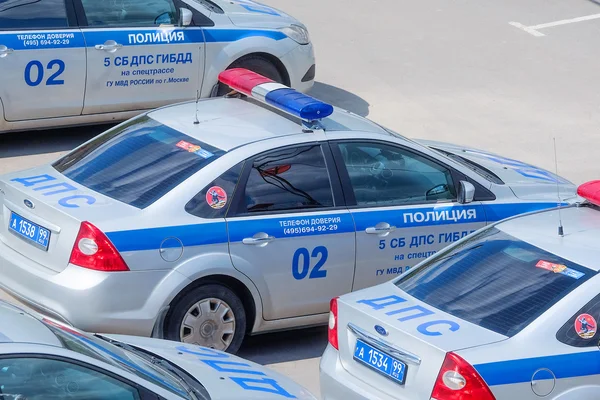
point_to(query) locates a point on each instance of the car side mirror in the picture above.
(437, 190)
(185, 17)
(466, 192)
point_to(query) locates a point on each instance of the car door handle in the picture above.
(258, 240)
(109, 47)
(374, 230)
(4, 51)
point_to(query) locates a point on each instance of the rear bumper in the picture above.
(116, 302)
(338, 384)
(300, 65)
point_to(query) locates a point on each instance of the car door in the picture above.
(42, 60)
(289, 231)
(404, 206)
(138, 58)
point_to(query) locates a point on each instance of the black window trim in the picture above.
(144, 392)
(199, 19)
(481, 193)
(72, 20)
(586, 309)
(347, 185)
(233, 195)
(237, 208)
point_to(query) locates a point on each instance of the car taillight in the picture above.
(332, 331)
(93, 250)
(458, 380)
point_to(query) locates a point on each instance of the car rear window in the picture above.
(138, 162)
(495, 281)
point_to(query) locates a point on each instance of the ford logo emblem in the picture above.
(381, 330)
(29, 203)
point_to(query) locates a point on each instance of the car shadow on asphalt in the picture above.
(340, 98)
(279, 347)
(19, 144)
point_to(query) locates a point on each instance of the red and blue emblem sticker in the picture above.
(585, 326)
(559, 269)
(216, 197)
(194, 148)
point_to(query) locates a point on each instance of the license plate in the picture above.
(380, 362)
(33, 233)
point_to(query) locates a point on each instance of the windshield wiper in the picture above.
(182, 378)
(165, 365)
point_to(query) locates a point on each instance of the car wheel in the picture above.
(257, 64)
(211, 316)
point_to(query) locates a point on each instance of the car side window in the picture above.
(40, 14)
(387, 175)
(582, 328)
(130, 12)
(46, 378)
(294, 178)
(214, 200)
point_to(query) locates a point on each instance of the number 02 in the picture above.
(34, 73)
(300, 269)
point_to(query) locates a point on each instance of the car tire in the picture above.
(258, 64)
(210, 315)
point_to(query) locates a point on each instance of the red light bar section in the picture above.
(590, 191)
(242, 80)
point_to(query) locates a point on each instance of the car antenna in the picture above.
(560, 225)
(196, 122)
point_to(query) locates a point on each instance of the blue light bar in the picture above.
(298, 104)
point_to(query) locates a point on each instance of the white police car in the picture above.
(68, 62)
(510, 312)
(45, 360)
(204, 222)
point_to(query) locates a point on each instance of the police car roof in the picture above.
(20, 327)
(581, 232)
(228, 123)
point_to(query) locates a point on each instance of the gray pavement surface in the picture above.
(455, 71)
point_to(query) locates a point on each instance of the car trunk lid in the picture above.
(407, 329)
(50, 201)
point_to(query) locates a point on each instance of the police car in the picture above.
(71, 62)
(510, 312)
(243, 214)
(44, 359)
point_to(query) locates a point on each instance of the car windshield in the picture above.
(480, 170)
(495, 281)
(137, 162)
(210, 6)
(102, 350)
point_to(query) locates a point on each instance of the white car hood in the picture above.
(225, 376)
(526, 181)
(249, 14)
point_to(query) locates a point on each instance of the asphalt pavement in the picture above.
(506, 77)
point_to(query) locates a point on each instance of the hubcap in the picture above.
(209, 323)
